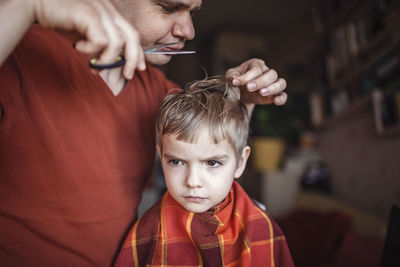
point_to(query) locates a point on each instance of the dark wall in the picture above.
(364, 165)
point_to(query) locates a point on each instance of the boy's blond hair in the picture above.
(212, 103)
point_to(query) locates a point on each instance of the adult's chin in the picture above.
(158, 59)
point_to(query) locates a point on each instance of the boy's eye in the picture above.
(175, 162)
(213, 163)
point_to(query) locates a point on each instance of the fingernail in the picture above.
(130, 75)
(236, 82)
(251, 86)
(142, 65)
(234, 75)
(265, 91)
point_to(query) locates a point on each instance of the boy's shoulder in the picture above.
(150, 220)
(255, 214)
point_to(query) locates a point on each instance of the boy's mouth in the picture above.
(195, 199)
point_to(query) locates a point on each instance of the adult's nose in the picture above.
(183, 27)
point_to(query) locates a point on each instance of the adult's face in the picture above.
(160, 22)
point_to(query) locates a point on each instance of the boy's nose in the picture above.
(193, 178)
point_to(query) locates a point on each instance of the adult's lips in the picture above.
(168, 49)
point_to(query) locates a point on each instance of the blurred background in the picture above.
(327, 164)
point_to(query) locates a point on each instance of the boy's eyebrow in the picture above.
(217, 157)
(212, 157)
(170, 156)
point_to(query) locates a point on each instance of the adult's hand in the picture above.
(95, 25)
(258, 83)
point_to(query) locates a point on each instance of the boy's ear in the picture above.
(242, 161)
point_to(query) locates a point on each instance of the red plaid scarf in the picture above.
(235, 233)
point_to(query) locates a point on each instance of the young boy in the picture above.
(205, 218)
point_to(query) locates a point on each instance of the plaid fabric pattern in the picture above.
(235, 233)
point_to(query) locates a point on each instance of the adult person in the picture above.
(77, 147)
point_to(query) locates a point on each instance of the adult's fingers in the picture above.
(115, 40)
(129, 42)
(78, 18)
(134, 56)
(105, 33)
(122, 38)
(272, 86)
(280, 99)
(246, 72)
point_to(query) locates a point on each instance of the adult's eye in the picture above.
(168, 9)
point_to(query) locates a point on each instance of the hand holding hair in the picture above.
(258, 83)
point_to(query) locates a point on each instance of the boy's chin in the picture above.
(195, 208)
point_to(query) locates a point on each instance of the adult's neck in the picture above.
(114, 80)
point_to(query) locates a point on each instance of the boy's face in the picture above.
(199, 175)
(160, 22)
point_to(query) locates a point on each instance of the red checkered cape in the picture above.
(235, 233)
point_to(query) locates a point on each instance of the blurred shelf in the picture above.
(359, 106)
(387, 42)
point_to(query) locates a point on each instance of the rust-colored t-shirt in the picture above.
(74, 158)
